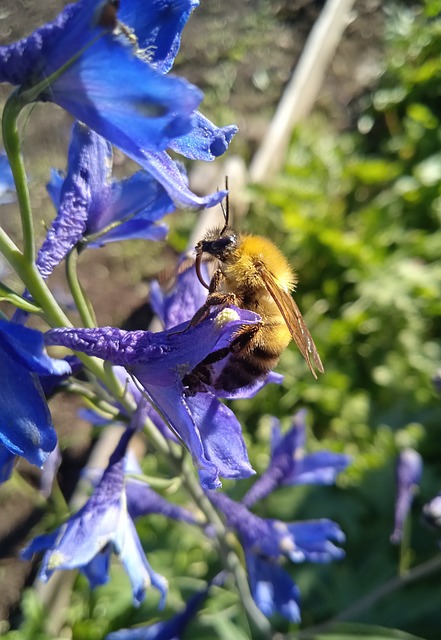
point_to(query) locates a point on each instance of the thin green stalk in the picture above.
(81, 302)
(11, 141)
(405, 552)
(10, 251)
(259, 623)
(366, 602)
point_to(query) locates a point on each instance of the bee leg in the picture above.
(243, 338)
(215, 298)
(201, 376)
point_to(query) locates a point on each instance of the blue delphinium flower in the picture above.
(311, 540)
(409, 469)
(93, 208)
(105, 63)
(266, 542)
(160, 362)
(101, 526)
(272, 588)
(25, 423)
(290, 465)
(7, 186)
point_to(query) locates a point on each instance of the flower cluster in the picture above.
(107, 63)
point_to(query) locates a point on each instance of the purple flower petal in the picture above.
(299, 541)
(101, 524)
(205, 141)
(25, 423)
(409, 469)
(160, 361)
(272, 588)
(290, 465)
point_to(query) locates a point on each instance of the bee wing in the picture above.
(294, 320)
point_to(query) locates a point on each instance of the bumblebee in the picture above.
(252, 274)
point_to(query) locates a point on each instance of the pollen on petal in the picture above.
(224, 317)
(56, 560)
(286, 545)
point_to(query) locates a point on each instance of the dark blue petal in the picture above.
(290, 466)
(312, 540)
(97, 570)
(205, 141)
(52, 45)
(55, 185)
(27, 346)
(129, 104)
(272, 588)
(159, 29)
(221, 435)
(39, 544)
(25, 423)
(176, 411)
(254, 532)
(321, 467)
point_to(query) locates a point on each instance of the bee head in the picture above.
(218, 243)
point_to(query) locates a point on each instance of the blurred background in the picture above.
(356, 208)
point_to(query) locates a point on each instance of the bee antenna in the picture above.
(226, 209)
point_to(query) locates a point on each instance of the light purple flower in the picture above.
(290, 465)
(101, 526)
(160, 362)
(311, 540)
(409, 469)
(95, 209)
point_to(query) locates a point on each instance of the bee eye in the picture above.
(217, 247)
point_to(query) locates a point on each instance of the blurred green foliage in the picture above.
(358, 215)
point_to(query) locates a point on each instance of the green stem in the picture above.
(405, 555)
(83, 305)
(11, 141)
(10, 251)
(258, 622)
